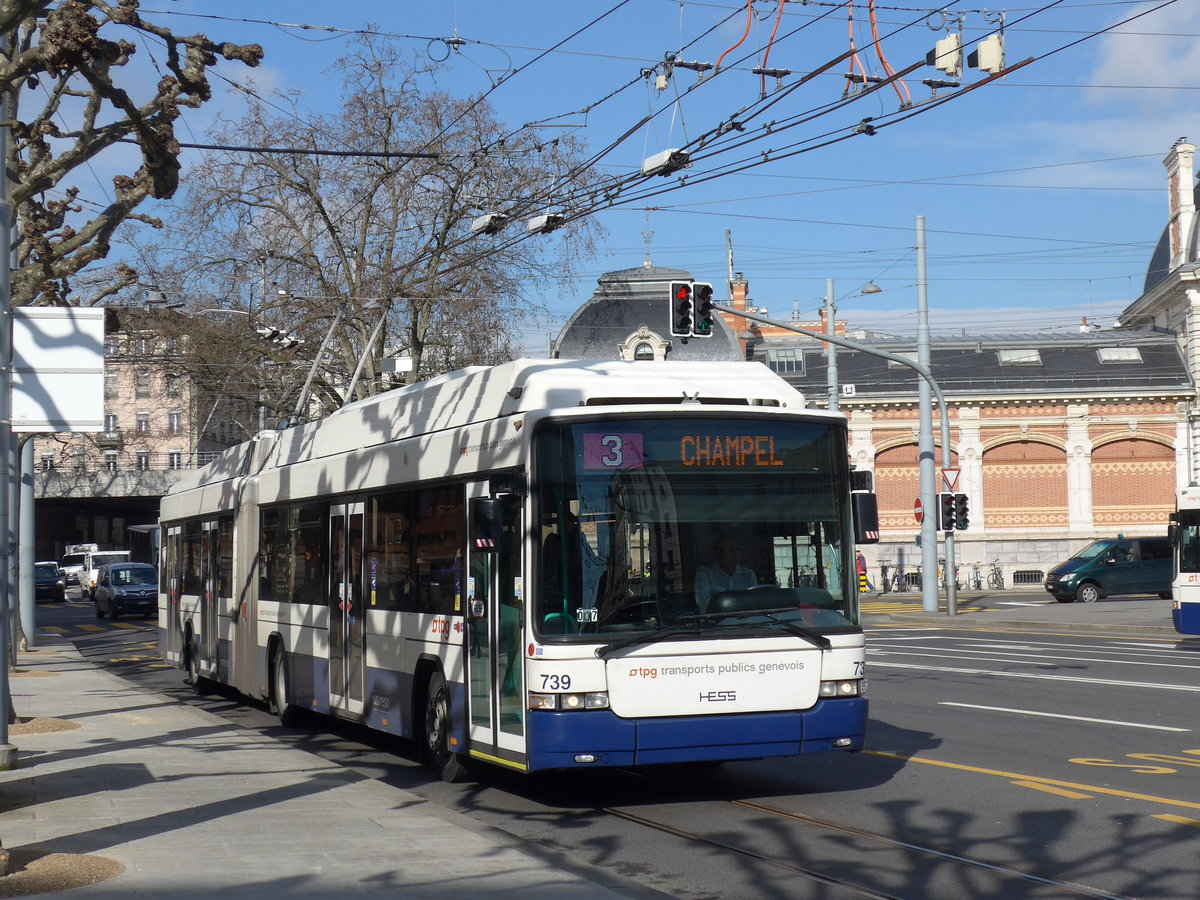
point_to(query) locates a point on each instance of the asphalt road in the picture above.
(1010, 766)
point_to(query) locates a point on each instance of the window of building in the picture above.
(643, 351)
(142, 345)
(110, 421)
(110, 385)
(1119, 355)
(142, 383)
(175, 421)
(112, 345)
(143, 423)
(787, 361)
(1019, 357)
(47, 462)
(110, 460)
(175, 459)
(173, 385)
(143, 460)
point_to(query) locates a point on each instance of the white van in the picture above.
(92, 562)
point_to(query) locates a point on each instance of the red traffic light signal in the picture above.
(946, 512)
(681, 308)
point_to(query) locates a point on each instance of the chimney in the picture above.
(1181, 198)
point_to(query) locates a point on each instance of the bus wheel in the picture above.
(198, 682)
(1088, 592)
(437, 733)
(281, 705)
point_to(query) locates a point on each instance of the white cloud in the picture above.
(1157, 49)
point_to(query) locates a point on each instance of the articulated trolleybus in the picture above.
(543, 565)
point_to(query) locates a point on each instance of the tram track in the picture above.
(1057, 886)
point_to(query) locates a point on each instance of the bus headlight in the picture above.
(851, 687)
(568, 702)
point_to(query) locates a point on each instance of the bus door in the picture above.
(209, 550)
(171, 584)
(495, 620)
(347, 662)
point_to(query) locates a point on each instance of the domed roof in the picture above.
(1160, 260)
(626, 299)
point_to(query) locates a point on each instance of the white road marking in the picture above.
(1042, 659)
(1030, 712)
(1187, 688)
(1019, 603)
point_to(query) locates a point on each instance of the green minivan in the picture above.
(1111, 567)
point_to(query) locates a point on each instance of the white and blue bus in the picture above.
(1185, 536)
(542, 565)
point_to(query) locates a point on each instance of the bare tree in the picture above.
(388, 234)
(62, 62)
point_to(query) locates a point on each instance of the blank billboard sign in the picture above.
(58, 368)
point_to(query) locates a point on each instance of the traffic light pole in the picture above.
(927, 376)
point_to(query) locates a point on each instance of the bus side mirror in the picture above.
(866, 517)
(485, 524)
(1172, 534)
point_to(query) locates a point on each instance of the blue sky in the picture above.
(1043, 192)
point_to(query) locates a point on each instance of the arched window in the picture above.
(643, 351)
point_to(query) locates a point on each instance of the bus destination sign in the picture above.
(627, 450)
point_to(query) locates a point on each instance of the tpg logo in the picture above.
(717, 696)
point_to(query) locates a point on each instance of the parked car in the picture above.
(49, 583)
(1111, 567)
(126, 587)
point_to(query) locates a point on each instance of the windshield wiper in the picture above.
(609, 649)
(818, 640)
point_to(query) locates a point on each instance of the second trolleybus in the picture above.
(541, 565)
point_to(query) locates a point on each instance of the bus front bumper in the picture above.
(590, 738)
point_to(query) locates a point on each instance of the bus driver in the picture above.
(725, 574)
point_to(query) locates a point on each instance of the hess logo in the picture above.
(717, 696)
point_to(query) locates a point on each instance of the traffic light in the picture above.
(946, 509)
(681, 308)
(962, 514)
(702, 294)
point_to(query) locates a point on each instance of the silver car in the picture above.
(125, 588)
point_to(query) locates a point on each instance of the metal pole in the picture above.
(925, 452)
(830, 347)
(933, 483)
(25, 542)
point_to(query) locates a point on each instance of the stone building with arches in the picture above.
(1058, 440)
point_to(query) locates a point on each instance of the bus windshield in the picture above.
(644, 523)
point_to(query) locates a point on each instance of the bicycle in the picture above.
(885, 582)
(976, 578)
(995, 579)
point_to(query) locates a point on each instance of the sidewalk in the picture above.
(1033, 611)
(195, 808)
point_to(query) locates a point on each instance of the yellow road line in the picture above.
(1017, 776)
(52, 629)
(1073, 795)
(91, 628)
(1179, 820)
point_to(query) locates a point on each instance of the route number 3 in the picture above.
(615, 456)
